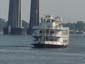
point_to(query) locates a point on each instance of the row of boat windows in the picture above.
(47, 31)
(49, 20)
(49, 39)
(52, 32)
(46, 39)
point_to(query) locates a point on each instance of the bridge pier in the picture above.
(13, 31)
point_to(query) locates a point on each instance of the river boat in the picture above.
(50, 33)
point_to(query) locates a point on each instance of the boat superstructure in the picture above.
(50, 33)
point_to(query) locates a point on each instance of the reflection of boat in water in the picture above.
(50, 33)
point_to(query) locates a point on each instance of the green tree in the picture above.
(80, 25)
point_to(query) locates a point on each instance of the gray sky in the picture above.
(70, 10)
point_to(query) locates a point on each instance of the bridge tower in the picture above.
(34, 15)
(14, 24)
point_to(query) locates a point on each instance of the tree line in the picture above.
(78, 26)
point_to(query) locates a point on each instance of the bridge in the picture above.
(14, 24)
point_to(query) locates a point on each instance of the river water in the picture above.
(17, 50)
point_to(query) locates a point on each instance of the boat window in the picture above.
(51, 39)
(60, 25)
(47, 38)
(54, 39)
(47, 31)
(51, 32)
(57, 26)
(48, 20)
(64, 40)
(53, 20)
(40, 31)
(64, 32)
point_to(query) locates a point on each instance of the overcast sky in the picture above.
(70, 10)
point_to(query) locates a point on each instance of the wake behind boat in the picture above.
(50, 33)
